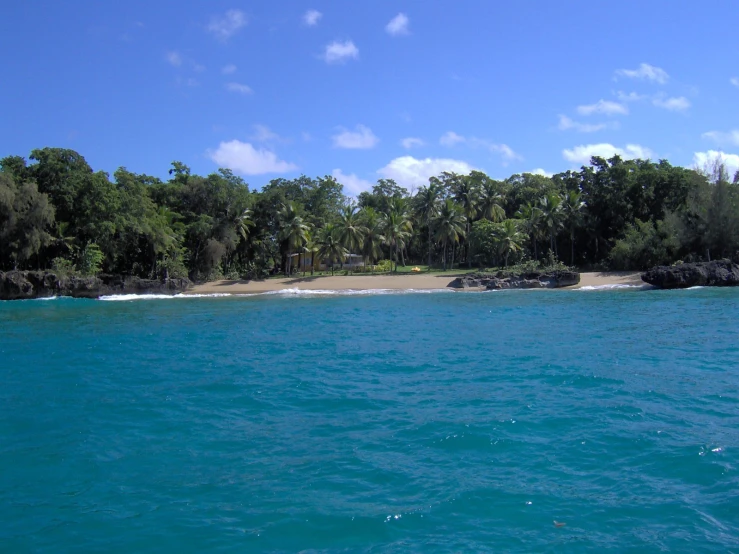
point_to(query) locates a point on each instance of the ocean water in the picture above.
(442, 422)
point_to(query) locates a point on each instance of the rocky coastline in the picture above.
(502, 280)
(24, 285)
(719, 273)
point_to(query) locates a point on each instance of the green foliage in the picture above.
(625, 213)
(91, 260)
(384, 266)
(643, 245)
(63, 266)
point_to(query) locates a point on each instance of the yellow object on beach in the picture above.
(416, 269)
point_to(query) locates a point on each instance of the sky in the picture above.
(370, 89)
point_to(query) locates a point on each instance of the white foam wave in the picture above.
(294, 292)
(131, 297)
(613, 287)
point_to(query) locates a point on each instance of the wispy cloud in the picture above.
(353, 184)
(411, 142)
(173, 58)
(361, 139)
(605, 107)
(398, 25)
(582, 154)
(630, 96)
(243, 158)
(340, 52)
(262, 133)
(312, 17)
(450, 138)
(734, 81)
(675, 104)
(228, 69)
(645, 72)
(238, 87)
(225, 26)
(720, 137)
(567, 124)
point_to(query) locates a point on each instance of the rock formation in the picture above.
(16, 285)
(719, 273)
(503, 280)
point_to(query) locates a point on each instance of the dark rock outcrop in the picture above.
(16, 285)
(719, 273)
(503, 280)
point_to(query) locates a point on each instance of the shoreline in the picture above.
(433, 281)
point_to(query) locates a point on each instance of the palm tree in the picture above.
(293, 231)
(329, 247)
(467, 196)
(397, 230)
(572, 206)
(373, 238)
(491, 202)
(350, 229)
(450, 224)
(509, 239)
(531, 222)
(552, 216)
(243, 223)
(427, 207)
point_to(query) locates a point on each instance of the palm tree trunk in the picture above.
(451, 266)
(428, 223)
(572, 243)
(443, 255)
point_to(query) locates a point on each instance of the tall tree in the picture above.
(427, 208)
(450, 226)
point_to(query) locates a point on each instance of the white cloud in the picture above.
(262, 133)
(630, 97)
(225, 26)
(173, 58)
(734, 81)
(199, 68)
(647, 72)
(228, 69)
(719, 137)
(243, 158)
(566, 124)
(603, 106)
(410, 172)
(411, 142)
(582, 154)
(340, 52)
(312, 17)
(353, 184)
(540, 171)
(505, 151)
(398, 25)
(238, 87)
(706, 159)
(676, 104)
(361, 139)
(450, 138)
(306, 136)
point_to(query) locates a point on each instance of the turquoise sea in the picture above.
(437, 422)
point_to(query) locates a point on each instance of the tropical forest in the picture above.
(58, 213)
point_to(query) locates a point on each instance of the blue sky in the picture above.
(370, 89)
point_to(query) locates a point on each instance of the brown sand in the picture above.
(422, 281)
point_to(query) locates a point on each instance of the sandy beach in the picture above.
(423, 281)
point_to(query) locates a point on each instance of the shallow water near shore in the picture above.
(372, 422)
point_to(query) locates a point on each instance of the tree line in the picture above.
(57, 213)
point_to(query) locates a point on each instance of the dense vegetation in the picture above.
(56, 212)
